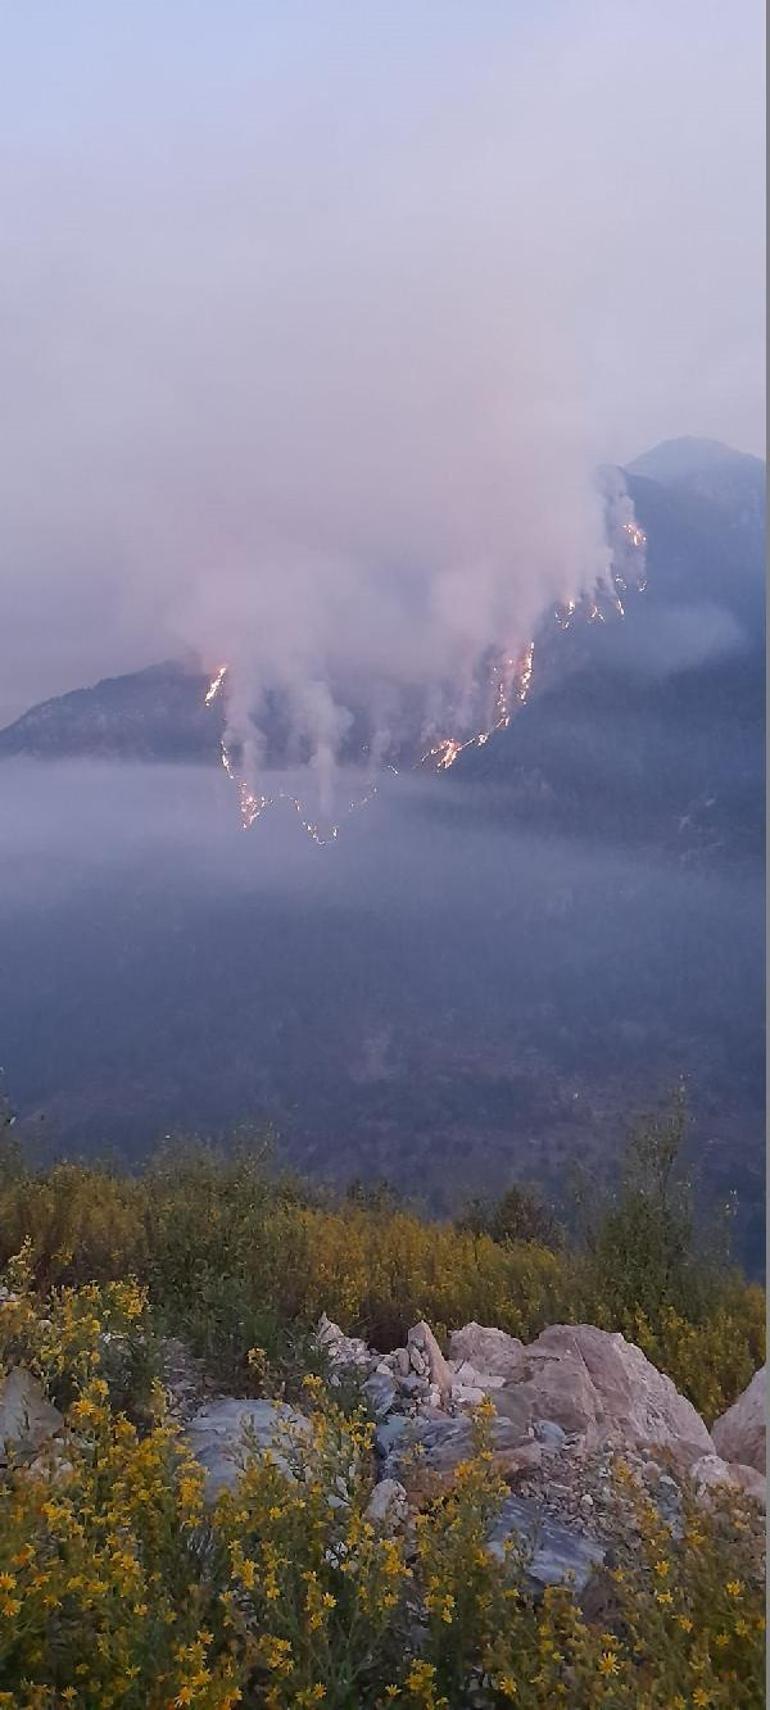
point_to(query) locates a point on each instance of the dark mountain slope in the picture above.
(652, 727)
(157, 714)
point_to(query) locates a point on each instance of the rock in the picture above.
(52, 1462)
(521, 1458)
(340, 1349)
(466, 1375)
(222, 1434)
(551, 1435)
(514, 1402)
(184, 1378)
(554, 1553)
(387, 1505)
(464, 1396)
(427, 1358)
(740, 1433)
(380, 1391)
(712, 1473)
(414, 1385)
(463, 1372)
(401, 1362)
(752, 1482)
(422, 1451)
(486, 1349)
(27, 1417)
(390, 1434)
(602, 1387)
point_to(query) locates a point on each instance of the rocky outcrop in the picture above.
(565, 1408)
(409, 1377)
(598, 1385)
(740, 1434)
(341, 1350)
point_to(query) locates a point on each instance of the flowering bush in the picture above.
(120, 1589)
(234, 1259)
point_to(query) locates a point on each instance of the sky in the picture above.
(316, 319)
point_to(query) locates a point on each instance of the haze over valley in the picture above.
(383, 515)
(492, 968)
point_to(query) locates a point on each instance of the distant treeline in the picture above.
(236, 1255)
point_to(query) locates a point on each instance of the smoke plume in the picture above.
(317, 323)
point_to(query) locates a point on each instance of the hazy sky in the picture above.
(316, 316)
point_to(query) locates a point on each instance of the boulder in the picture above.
(27, 1417)
(222, 1434)
(427, 1360)
(740, 1433)
(387, 1505)
(712, 1473)
(423, 1451)
(596, 1384)
(380, 1391)
(554, 1554)
(486, 1349)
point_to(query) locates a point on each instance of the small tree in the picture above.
(643, 1244)
(518, 1215)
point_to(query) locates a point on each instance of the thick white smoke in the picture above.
(318, 319)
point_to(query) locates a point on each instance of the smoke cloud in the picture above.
(318, 320)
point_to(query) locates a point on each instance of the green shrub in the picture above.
(235, 1257)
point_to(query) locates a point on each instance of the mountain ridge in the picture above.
(649, 726)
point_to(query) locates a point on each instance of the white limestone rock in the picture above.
(740, 1434)
(596, 1384)
(487, 1349)
(427, 1359)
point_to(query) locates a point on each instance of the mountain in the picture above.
(646, 726)
(705, 467)
(652, 728)
(156, 714)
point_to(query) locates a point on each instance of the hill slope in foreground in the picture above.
(532, 1516)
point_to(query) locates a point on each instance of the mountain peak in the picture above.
(689, 458)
